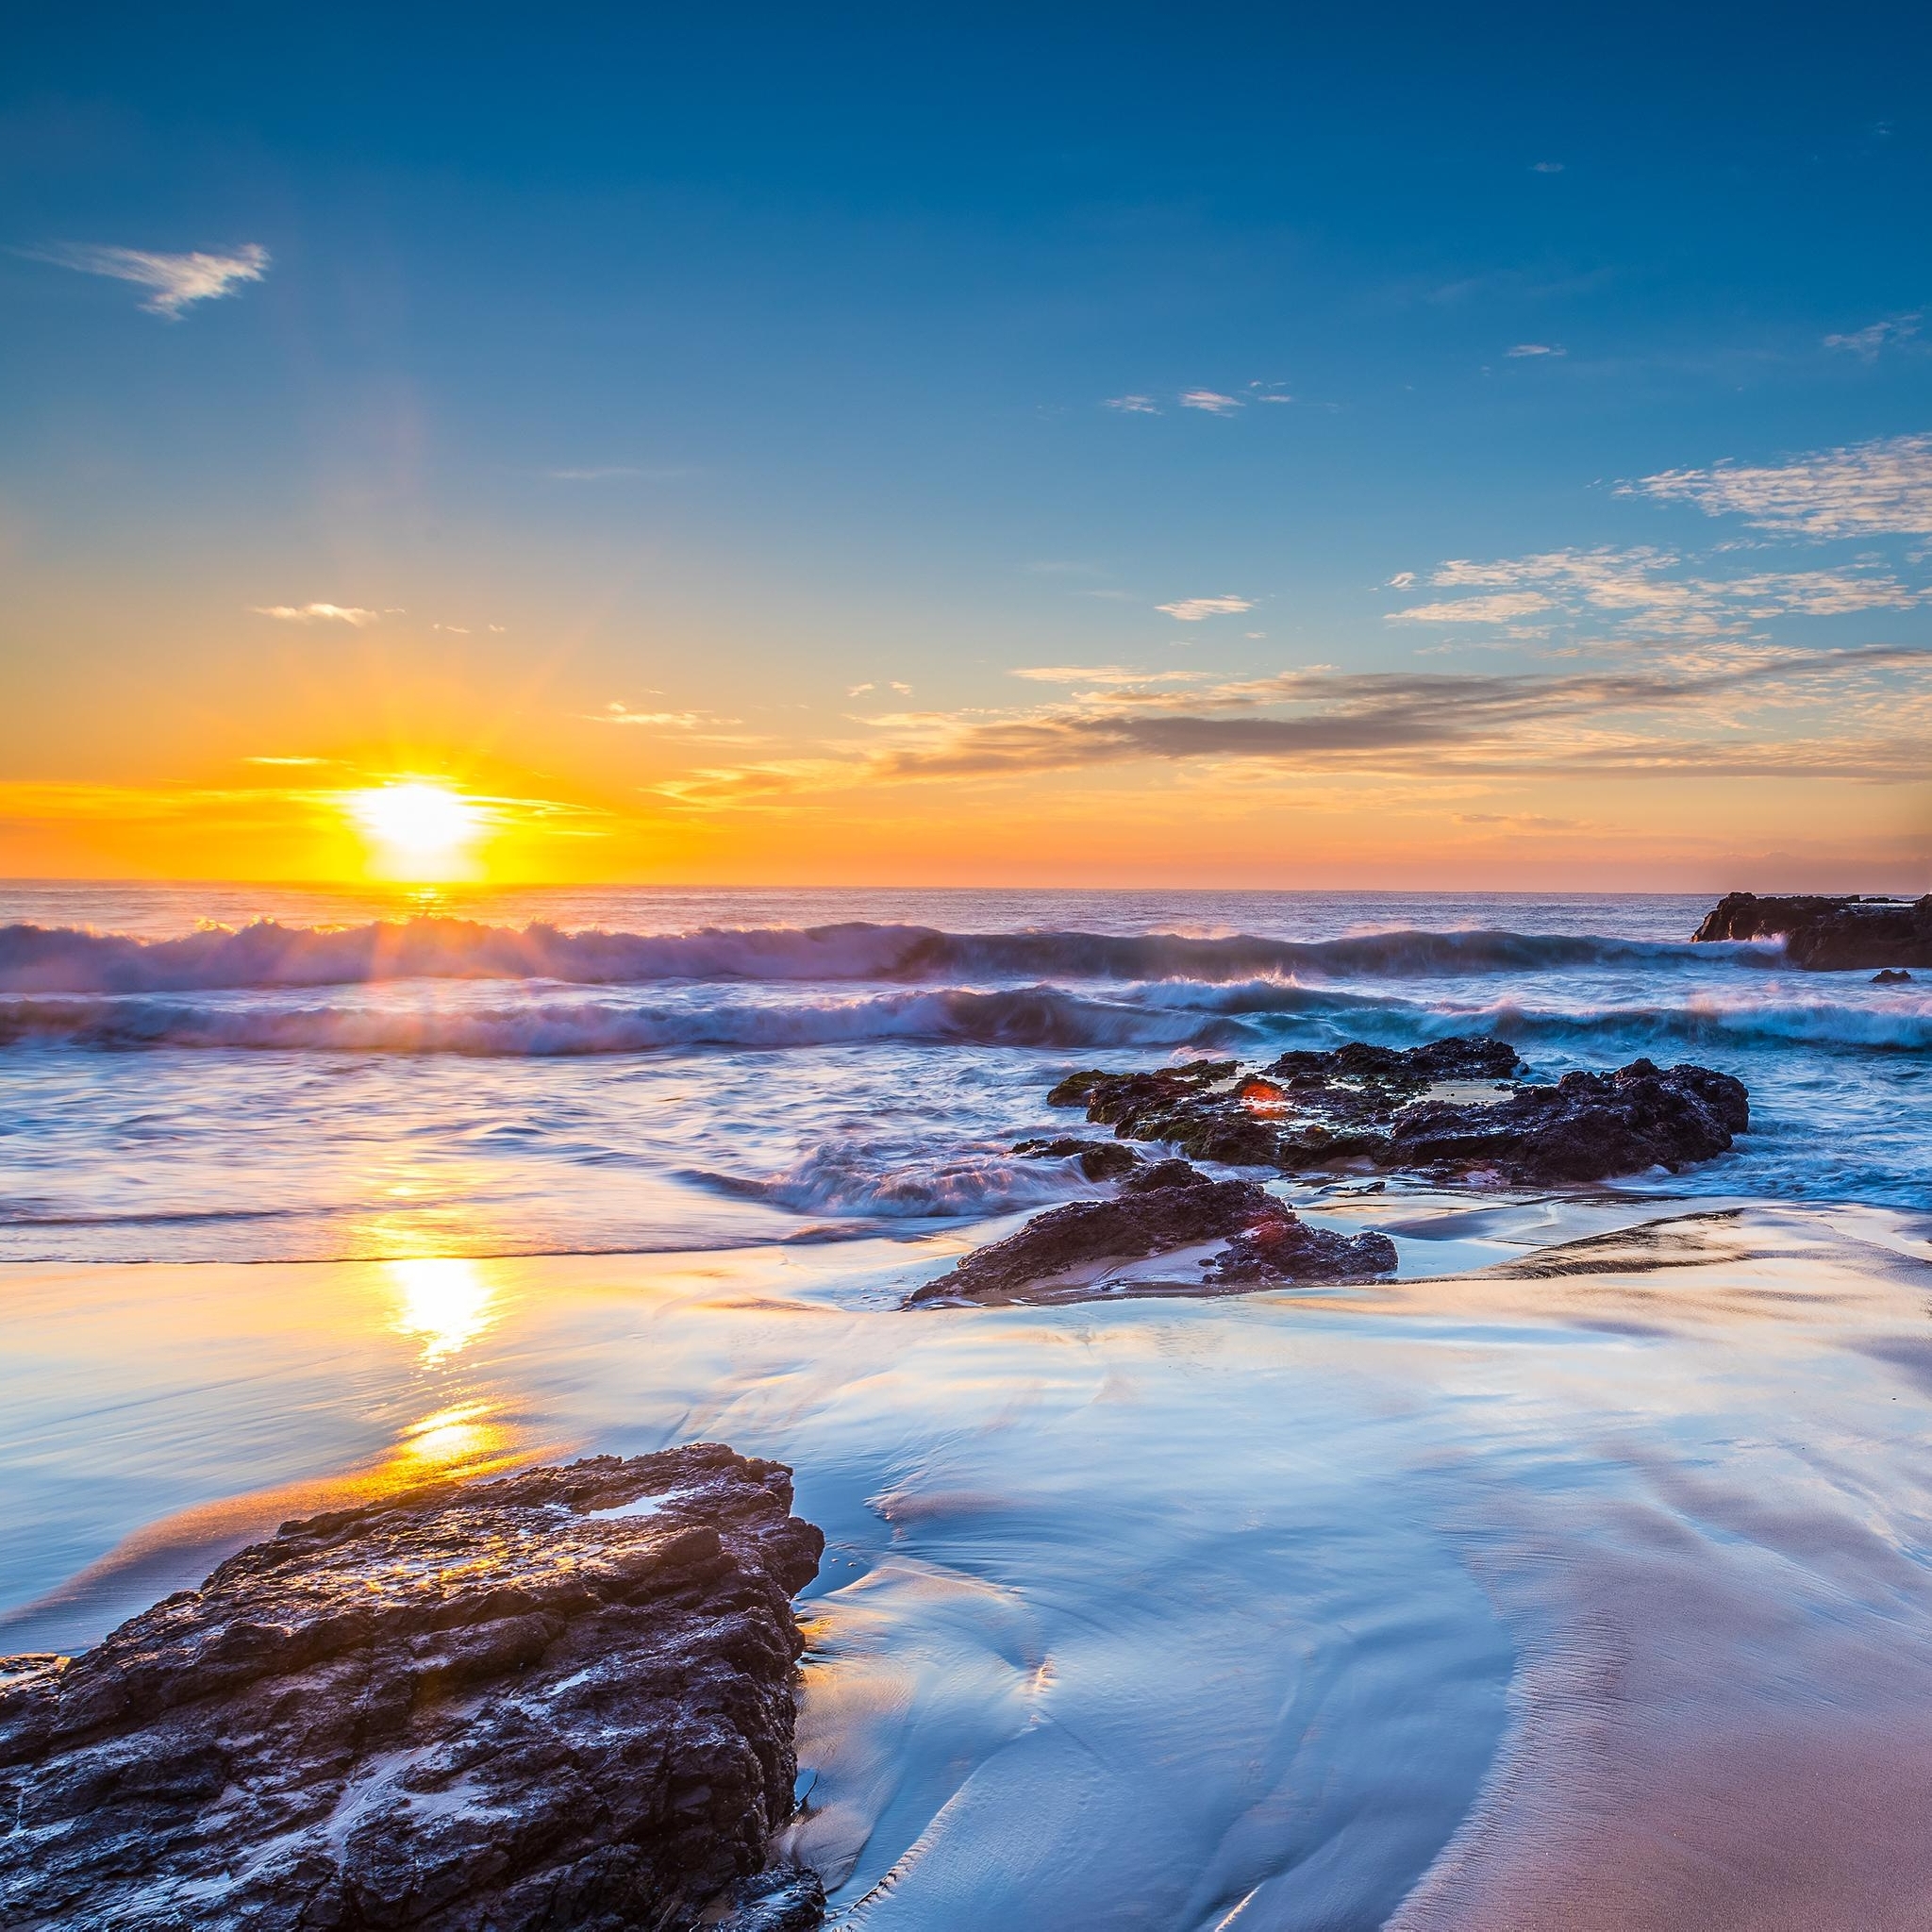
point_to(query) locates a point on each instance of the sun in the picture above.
(418, 830)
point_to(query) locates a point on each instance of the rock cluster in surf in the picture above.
(1825, 934)
(564, 1698)
(1444, 1111)
(1163, 1206)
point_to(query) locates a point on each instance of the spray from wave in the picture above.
(60, 960)
(1019, 1017)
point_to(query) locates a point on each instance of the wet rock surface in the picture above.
(1099, 1160)
(561, 1699)
(1166, 1204)
(1842, 933)
(1444, 1111)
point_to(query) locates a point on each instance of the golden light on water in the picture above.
(418, 830)
(444, 1302)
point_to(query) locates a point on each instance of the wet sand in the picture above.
(1585, 1590)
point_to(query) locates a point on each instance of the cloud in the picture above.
(1536, 349)
(1192, 609)
(617, 714)
(1500, 609)
(1132, 406)
(1644, 593)
(1402, 580)
(1209, 399)
(316, 614)
(1866, 343)
(859, 690)
(176, 280)
(1869, 488)
(1104, 674)
(267, 760)
(1859, 716)
(1547, 167)
(1873, 704)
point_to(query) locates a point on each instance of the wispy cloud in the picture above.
(1192, 609)
(1537, 349)
(265, 759)
(1107, 675)
(618, 713)
(1133, 406)
(1647, 593)
(1843, 714)
(1860, 715)
(317, 614)
(176, 281)
(1503, 608)
(1547, 167)
(1866, 342)
(1211, 400)
(1870, 489)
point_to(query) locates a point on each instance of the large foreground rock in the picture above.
(1829, 935)
(1163, 1207)
(559, 1700)
(1445, 1110)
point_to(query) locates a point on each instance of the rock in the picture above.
(1100, 1160)
(1163, 1207)
(1825, 934)
(1891, 976)
(1587, 1127)
(1401, 1111)
(561, 1699)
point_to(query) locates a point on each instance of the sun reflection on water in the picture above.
(444, 1301)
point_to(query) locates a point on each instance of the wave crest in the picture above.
(65, 960)
(1024, 1017)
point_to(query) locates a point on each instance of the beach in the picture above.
(1573, 1576)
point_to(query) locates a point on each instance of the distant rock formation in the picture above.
(562, 1699)
(1166, 1204)
(1442, 1111)
(1829, 935)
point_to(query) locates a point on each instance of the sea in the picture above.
(1581, 1574)
(256, 1073)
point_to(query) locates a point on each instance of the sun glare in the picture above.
(418, 830)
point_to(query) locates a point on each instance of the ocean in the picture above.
(254, 1073)
(1582, 1574)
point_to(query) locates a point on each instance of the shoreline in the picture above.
(1099, 1520)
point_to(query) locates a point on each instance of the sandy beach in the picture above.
(1579, 1589)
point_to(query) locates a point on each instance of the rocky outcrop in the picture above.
(1829, 935)
(562, 1699)
(1061, 1255)
(1442, 1111)
(1098, 1160)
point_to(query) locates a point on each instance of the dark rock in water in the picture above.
(1587, 1127)
(1163, 1207)
(1829, 935)
(785, 1901)
(1100, 1160)
(562, 1699)
(1891, 976)
(1402, 1112)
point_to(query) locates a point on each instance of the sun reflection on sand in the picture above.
(458, 1441)
(444, 1301)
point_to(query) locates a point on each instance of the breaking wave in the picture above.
(65, 960)
(1785, 1022)
(1029, 1017)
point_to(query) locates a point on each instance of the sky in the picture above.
(1210, 446)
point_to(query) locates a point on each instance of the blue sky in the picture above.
(729, 367)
